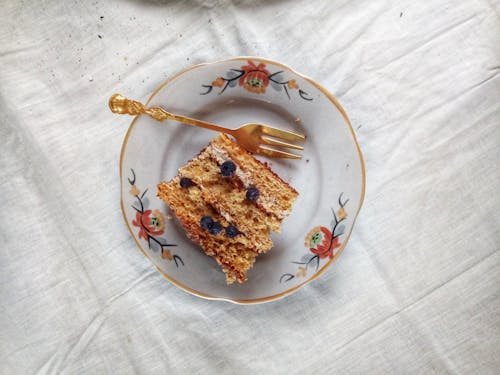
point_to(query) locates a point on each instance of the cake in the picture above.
(229, 203)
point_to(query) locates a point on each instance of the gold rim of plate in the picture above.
(326, 265)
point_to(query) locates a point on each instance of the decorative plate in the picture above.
(330, 177)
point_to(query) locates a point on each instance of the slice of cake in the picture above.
(229, 202)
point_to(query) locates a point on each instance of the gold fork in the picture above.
(252, 137)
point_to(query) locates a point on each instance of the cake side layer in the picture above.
(276, 195)
(235, 255)
(239, 184)
(227, 196)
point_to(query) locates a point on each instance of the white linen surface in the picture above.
(417, 289)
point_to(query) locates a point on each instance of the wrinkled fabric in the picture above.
(417, 289)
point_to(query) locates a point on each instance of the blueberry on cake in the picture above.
(229, 202)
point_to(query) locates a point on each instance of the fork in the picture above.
(253, 137)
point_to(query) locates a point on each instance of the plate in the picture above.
(330, 177)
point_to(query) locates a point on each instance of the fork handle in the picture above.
(121, 105)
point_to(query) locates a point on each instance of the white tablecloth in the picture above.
(417, 289)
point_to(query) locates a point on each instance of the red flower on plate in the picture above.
(255, 77)
(321, 242)
(149, 223)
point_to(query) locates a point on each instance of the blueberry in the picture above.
(227, 168)
(216, 228)
(232, 231)
(206, 222)
(252, 194)
(186, 182)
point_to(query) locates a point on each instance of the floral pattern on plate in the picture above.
(322, 243)
(151, 223)
(256, 78)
